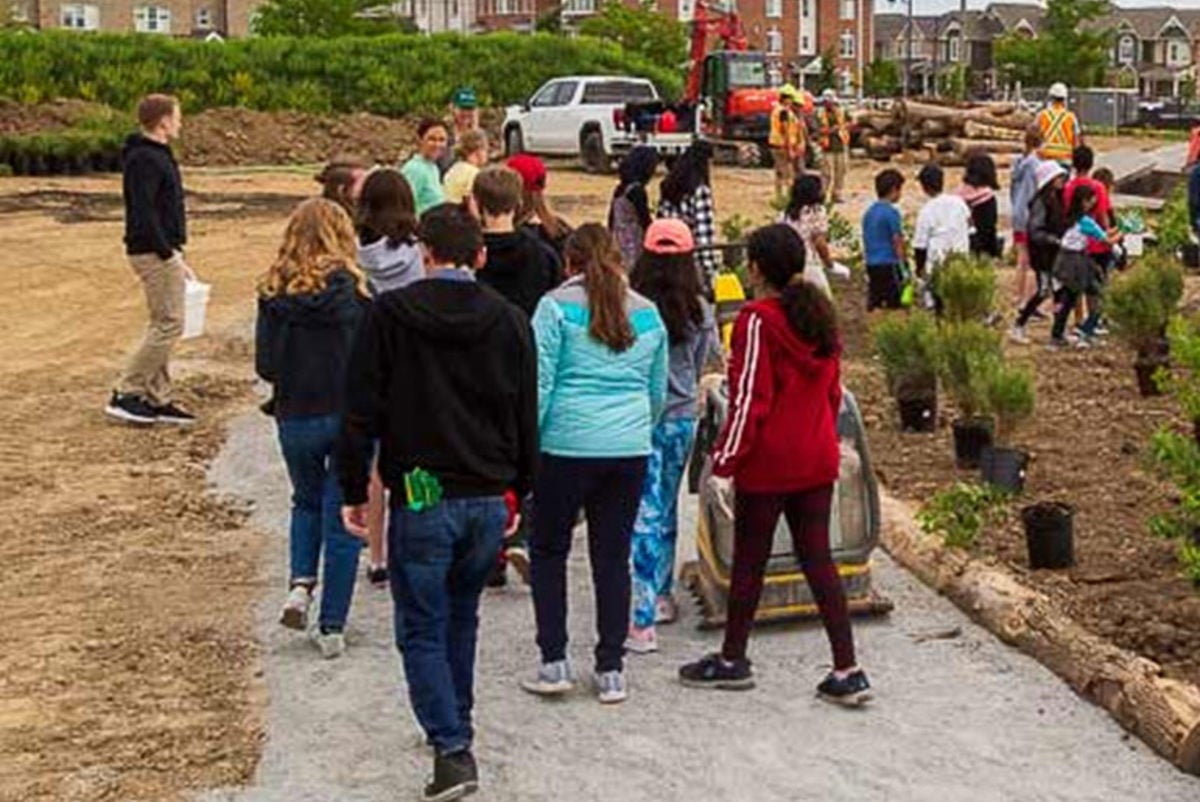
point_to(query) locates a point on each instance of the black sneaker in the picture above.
(169, 413)
(377, 575)
(851, 691)
(499, 577)
(454, 776)
(714, 671)
(130, 408)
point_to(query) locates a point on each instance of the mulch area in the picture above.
(1089, 441)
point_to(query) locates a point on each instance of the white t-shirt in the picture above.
(943, 228)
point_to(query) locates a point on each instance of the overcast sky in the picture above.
(939, 6)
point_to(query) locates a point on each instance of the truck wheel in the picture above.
(595, 160)
(514, 142)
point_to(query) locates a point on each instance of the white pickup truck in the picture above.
(578, 115)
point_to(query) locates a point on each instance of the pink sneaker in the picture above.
(641, 640)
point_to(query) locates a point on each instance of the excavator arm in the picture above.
(710, 19)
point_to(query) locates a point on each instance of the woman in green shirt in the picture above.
(421, 170)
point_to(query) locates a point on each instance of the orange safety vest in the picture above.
(1059, 130)
(828, 127)
(787, 129)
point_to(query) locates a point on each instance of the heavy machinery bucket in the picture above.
(853, 531)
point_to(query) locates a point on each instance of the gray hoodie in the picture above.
(686, 366)
(1024, 187)
(390, 268)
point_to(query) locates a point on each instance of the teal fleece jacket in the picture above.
(592, 401)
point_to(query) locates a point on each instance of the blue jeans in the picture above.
(657, 526)
(438, 562)
(307, 444)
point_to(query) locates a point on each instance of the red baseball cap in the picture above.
(531, 169)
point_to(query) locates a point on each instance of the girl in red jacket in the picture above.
(780, 449)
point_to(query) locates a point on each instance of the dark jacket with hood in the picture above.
(445, 377)
(302, 345)
(520, 267)
(780, 435)
(153, 190)
(1047, 224)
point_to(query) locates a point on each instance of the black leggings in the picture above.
(1045, 288)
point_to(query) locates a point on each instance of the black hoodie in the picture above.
(520, 267)
(153, 190)
(302, 345)
(445, 376)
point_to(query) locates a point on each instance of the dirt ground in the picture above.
(132, 670)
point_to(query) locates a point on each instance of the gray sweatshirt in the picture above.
(389, 268)
(687, 360)
(1024, 187)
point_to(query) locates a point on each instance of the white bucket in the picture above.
(195, 306)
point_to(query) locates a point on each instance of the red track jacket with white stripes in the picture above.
(781, 433)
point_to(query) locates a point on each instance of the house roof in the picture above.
(975, 25)
(1010, 15)
(1148, 23)
(889, 27)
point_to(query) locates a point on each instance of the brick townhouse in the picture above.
(170, 17)
(796, 34)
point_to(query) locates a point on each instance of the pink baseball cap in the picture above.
(669, 236)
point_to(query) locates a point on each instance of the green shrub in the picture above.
(1010, 398)
(390, 75)
(1183, 382)
(960, 512)
(967, 286)
(1188, 554)
(1174, 227)
(1141, 301)
(967, 356)
(907, 347)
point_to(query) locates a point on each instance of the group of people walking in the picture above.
(490, 371)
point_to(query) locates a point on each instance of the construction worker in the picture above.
(1059, 127)
(834, 136)
(787, 138)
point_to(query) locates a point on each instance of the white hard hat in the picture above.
(1058, 91)
(829, 94)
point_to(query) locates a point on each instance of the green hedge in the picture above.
(389, 75)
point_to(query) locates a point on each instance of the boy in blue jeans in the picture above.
(884, 249)
(445, 376)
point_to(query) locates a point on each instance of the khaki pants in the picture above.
(163, 281)
(785, 170)
(833, 168)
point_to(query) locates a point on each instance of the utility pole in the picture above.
(908, 56)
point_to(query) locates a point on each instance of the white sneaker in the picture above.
(1017, 334)
(295, 609)
(331, 644)
(666, 610)
(641, 640)
(553, 679)
(610, 687)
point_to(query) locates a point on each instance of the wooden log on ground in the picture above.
(990, 146)
(1163, 712)
(1016, 120)
(882, 148)
(977, 130)
(935, 129)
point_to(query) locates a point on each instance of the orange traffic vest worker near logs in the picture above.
(1060, 129)
(835, 144)
(787, 137)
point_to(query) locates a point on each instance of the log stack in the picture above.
(944, 133)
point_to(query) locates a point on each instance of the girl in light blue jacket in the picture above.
(602, 385)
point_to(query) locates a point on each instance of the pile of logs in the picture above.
(944, 134)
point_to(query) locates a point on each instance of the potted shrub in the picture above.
(967, 354)
(1183, 381)
(1140, 304)
(966, 286)
(906, 345)
(1010, 397)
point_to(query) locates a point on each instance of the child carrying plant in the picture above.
(666, 274)
(1074, 270)
(943, 226)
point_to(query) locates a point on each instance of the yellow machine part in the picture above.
(730, 296)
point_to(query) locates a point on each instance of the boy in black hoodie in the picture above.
(522, 268)
(445, 376)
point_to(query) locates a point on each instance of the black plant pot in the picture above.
(918, 413)
(971, 437)
(1190, 254)
(1004, 468)
(1147, 366)
(1050, 534)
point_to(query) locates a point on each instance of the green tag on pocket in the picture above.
(422, 490)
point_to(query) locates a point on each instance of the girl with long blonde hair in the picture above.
(311, 303)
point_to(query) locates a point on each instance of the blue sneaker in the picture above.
(553, 679)
(852, 690)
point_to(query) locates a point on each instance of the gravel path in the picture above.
(964, 718)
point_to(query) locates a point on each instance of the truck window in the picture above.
(545, 96)
(566, 93)
(607, 93)
(747, 73)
